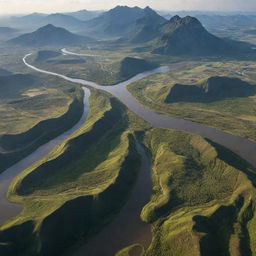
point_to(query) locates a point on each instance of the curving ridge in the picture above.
(6, 177)
(241, 146)
(244, 148)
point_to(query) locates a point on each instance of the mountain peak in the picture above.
(187, 36)
(148, 9)
(175, 18)
(191, 20)
(184, 21)
(125, 8)
(50, 35)
(47, 27)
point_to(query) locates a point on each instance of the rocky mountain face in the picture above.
(187, 36)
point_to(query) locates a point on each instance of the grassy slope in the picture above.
(53, 112)
(201, 204)
(108, 60)
(234, 115)
(195, 187)
(91, 173)
(21, 112)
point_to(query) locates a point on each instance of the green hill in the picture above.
(12, 85)
(133, 66)
(50, 35)
(45, 55)
(214, 88)
(203, 201)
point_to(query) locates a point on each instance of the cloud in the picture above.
(25, 6)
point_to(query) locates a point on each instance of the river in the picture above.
(127, 228)
(10, 210)
(241, 146)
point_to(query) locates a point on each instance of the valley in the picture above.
(134, 138)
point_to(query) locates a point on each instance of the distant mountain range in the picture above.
(122, 20)
(50, 35)
(231, 18)
(187, 36)
(36, 20)
(84, 15)
(177, 36)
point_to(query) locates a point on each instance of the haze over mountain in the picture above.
(147, 26)
(50, 35)
(36, 20)
(7, 33)
(84, 14)
(187, 36)
(123, 20)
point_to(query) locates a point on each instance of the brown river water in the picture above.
(127, 228)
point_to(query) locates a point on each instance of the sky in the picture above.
(51, 6)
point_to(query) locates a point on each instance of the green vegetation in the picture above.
(214, 89)
(203, 197)
(88, 191)
(114, 67)
(133, 66)
(34, 113)
(45, 55)
(234, 115)
(203, 200)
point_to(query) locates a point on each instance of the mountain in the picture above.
(119, 21)
(187, 36)
(147, 26)
(84, 15)
(62, 20)
(214, 88)
(30, 20)
(36, 20)
(133, 66)
(213, 21)
(50, 35)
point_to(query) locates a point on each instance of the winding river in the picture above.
(127, 228)
(9, 210)
(241, 146)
